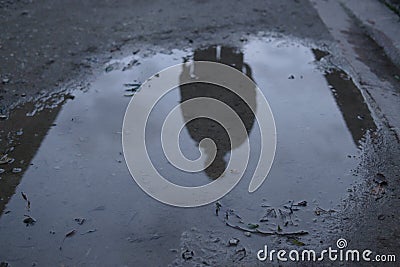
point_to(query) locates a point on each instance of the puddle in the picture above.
(73, 166)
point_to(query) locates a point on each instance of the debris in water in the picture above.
(24, 196)
(28, 203)
(129, 95)
(319, 211)
(80, 221)
(29, 220)
(297, 242)
(132, 63)
(89, 231)
(217, 208)
(137, 85)
(264, 232)
(252, 225)
(133, 87)
(271, 213)
(233, 242)
(69, 234)
(187, 254)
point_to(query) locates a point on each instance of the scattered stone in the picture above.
(291, 77)
(187, 254)
(2, 171)
(5, 80)
(89, 231)
(381, 217)
(16, 170)
(6, 159)
(246, 233)
(233, 242)
(302, 203)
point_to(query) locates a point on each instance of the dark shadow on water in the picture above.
(351, 103)
(201, 128)
(20, 139)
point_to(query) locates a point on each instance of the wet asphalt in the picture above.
(67, 197)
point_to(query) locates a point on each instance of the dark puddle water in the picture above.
(72, 165)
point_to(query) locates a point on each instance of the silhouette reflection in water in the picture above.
(355, 111)
(201, 128)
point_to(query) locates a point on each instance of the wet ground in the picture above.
(66, 195)
(66, 158)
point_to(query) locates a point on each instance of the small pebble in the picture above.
(233, 242)
(16, 170)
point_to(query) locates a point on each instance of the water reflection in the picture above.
(351, 103)
(201, 128)
(20, 138)
(92, 181)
